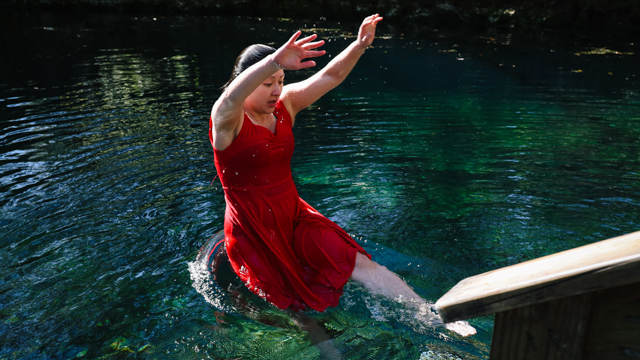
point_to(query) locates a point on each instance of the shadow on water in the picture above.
(443, 156)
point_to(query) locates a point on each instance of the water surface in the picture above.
(444, 155)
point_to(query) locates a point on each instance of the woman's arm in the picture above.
(299, 95)
(227, 112)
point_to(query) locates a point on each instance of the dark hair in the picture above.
(248, 57)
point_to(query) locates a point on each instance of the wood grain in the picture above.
(553, 330)
(602, 325)
(614, 332)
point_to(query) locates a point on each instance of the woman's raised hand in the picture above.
(368, 30)
(290, 55)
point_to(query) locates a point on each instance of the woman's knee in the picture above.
(365, 269)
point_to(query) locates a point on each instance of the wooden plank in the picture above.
(597, 266)
(615, 325)
(553, 330)
(619, 274)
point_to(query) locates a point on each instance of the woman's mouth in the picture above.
(272, 103)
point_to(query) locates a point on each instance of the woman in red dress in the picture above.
(280, 246)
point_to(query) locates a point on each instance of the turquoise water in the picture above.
(444, 155)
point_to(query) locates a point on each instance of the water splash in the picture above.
(354, 327)
(206, 286)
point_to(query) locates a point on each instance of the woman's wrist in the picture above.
(273, 60)
(359, 46)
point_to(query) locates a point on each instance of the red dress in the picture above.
(280, 247)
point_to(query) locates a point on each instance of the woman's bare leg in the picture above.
(380, 280)
(317, 335)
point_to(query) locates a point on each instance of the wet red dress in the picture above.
(282, 248)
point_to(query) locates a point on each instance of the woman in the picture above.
(281, 247)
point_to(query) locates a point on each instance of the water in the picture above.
(444, 156)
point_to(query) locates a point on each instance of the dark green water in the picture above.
(445, 156)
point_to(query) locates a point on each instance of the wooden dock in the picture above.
(582, 303)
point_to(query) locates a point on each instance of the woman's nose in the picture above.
(277, 90)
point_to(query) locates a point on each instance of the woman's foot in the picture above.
(461, 328)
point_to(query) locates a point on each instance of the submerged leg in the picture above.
(317, 335)
(380, 280)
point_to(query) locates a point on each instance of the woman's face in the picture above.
(264, 98)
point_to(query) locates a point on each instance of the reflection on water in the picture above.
(443, 156)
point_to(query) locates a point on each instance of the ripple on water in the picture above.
(173, 350)
(445, 172)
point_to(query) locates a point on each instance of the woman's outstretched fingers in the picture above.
(307, 64)
(290, 56)
(294, 37)
(310, 54)
(373, 19)
(313, 45)
(367, 30)
(306, 39)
